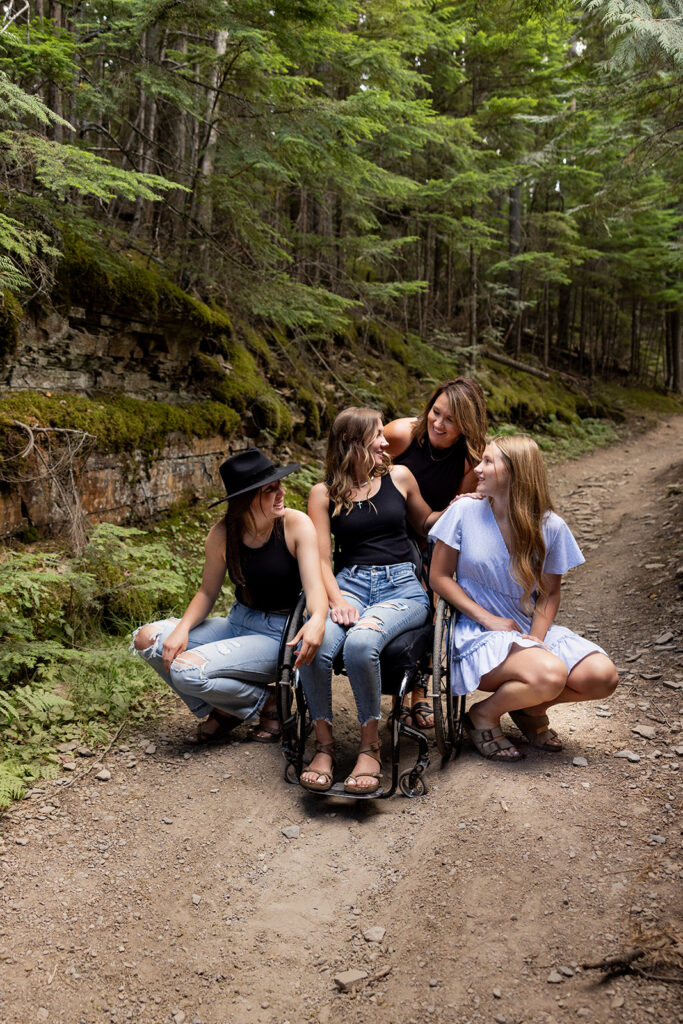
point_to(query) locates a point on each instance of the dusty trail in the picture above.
(170, 893)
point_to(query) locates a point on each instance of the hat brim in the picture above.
(276, 474)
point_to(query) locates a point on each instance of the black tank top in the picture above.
(271, 574)
(374, 531)
(438, 474)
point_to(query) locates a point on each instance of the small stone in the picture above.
(167, 821)
(151, 748)
(104, 775)
(617, 1002)
(664, 638)
(64, 748)
(196, 900)
(648, 732)
(433, 982)
(179, 1017)
(291, 832)
(21, 841)
(497, 994)
(42, 1013)
(375, 934)
(580, 762)
(555, 978)
(85, 752)
(501, 1020)
(679, 750)
(630, 755)
(567, 971)
(657, 839)
(265, 1004)
(346, 981)
(674, 684)
(69, 766)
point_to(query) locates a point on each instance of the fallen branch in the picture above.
(515, 364)
(619, 964)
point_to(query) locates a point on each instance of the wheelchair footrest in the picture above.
(337, 790)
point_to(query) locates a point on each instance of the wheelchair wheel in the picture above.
(412, 784)
(286, 660)
(441, 689)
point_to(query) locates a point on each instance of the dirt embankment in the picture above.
(170, 893)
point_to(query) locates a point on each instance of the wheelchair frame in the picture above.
(449, 709)
(296, 726)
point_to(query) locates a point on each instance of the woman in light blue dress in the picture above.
(499, 562)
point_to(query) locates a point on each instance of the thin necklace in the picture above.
(433, 457)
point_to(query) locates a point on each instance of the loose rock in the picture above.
(291, 832)
(630, 755)
(375, 934)
(648, 732)
(580, 762)
(104, 775)
(555, 978)
(348, 980)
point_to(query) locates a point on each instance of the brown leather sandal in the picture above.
(272, 735)
(373, 749)
(225, 725)
(536, 729)
(491, 743)
(314, 786)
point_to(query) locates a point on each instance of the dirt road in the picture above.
(170, 893)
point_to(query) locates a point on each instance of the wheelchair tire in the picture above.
(284, 689)
(412, 784)
(444, 725)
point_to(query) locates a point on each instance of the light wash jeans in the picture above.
(241, 653)
(392, 597)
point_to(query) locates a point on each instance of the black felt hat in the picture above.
(249, 470)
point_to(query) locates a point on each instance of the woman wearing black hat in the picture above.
(221, 667)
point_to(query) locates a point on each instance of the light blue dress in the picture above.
(483, 572)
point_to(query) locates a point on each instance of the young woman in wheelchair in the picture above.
(507, 554)
(221, 667)
(372, 589)
(440, 448)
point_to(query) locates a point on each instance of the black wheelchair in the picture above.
(404, 663)
(449, 709)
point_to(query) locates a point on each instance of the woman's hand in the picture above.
(310, 636)
(469, 494)
(495, 623)
(343, 613)
(174, 645)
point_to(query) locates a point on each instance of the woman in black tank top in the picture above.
(441, 448)
(372, 589)
(221, 667)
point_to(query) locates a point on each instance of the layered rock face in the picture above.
(116, 489)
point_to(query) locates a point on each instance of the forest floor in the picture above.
(169, 893)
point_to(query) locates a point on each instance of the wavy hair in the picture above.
(352, 432)
(528, 504)
(467, 404)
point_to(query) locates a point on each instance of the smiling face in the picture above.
(376, 444)
(442, 429)
(269, 501)
(493, 478)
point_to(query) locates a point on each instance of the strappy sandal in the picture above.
(491, 743)
(314, 786)
(272, 735)
(536, 729)
(423, 709)
(374, 751)
(225, 725)
(405, 715)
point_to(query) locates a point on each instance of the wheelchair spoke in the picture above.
(441, 690)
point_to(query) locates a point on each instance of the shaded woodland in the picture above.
(500, 177)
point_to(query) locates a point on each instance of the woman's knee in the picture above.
(364, 639)
(187, 673)
(145, 636)
(549, 677)
(595, 677)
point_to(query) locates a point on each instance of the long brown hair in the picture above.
(350, 434)
(238, 518)
(528, 504)
(467, 404)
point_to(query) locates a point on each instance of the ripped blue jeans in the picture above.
(240, 655)
(390, 600)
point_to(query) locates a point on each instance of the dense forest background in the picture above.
(501, 177)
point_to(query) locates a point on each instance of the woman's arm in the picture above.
(420, 515)
(318, 509)
(399, 434)
(468, 484)
(299, 530)
(203, 601)
(546, 610)
(444, 565)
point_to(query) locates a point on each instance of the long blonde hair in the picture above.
(528, 504)
(351, 433)
(467, 404)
